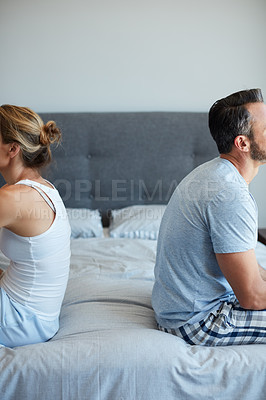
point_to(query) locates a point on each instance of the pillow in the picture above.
(85, 223)
(141, 222)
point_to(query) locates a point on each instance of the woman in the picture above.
(34, 234)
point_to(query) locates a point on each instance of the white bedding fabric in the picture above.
(110, 258)
(108, 347)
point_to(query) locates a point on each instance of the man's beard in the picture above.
(255, 152)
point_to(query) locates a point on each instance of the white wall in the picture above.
(132, 55)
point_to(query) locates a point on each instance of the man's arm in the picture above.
(246, 278)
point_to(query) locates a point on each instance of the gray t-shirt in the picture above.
(211, 211)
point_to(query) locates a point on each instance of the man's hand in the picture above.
(246, 277)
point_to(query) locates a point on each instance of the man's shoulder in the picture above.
(211, 179)
(217, 169)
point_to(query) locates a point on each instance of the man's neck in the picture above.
(247, 167)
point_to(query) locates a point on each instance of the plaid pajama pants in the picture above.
(230, 325)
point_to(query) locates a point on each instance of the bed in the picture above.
(116, 172)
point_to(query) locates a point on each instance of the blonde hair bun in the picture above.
(50, 133)
(23, 126)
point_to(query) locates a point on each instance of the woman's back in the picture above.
(39, 264)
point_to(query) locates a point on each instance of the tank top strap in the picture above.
(40, 189)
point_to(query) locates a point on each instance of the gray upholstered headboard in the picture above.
(112, 160)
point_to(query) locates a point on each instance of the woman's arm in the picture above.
(9, 205)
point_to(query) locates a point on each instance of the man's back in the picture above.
(210, 212)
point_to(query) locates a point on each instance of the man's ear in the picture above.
(242, 143)
(14, 149)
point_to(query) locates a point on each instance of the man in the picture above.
(209, 288)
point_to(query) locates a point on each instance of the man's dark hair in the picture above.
(229, 118)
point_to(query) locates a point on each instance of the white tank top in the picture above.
(39, 265)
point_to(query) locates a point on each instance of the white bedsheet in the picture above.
(261, 254)
(113, 258)
(108, 347)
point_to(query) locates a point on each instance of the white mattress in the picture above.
(108, 346)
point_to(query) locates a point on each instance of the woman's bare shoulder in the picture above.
(12, 194)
